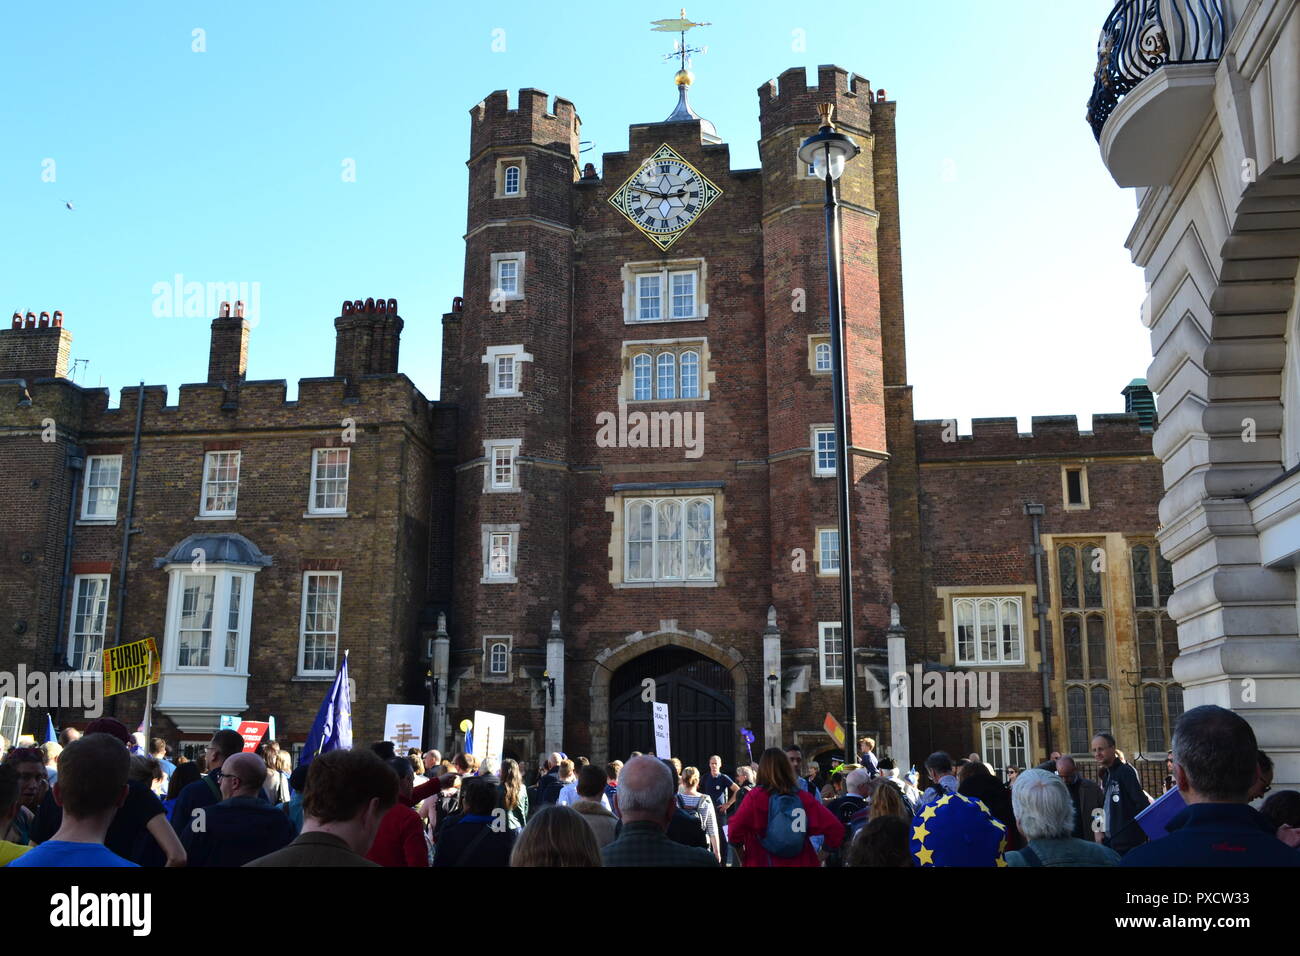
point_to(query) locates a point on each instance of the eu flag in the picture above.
(332, 729)
(50, 735)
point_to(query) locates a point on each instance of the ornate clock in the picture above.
(665, 196)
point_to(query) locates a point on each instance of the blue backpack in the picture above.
(782, 839)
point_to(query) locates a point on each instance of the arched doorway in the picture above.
(701, 706)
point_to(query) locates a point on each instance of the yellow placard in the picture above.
(131, 666)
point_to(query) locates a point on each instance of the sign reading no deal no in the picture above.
(663, 746)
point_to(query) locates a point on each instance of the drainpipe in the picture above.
(1035, 512)
(76, 463)
(127, 529)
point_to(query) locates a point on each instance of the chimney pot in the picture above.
(392, 305)
(881, 96)
(458, 304)
(45, 320)
(18, 320)
(370, 305)
(29, 321)
(58, 319)
(239, 309)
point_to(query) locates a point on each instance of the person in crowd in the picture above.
(745, 780)
(647, 794)
(417, 768)
(939, 768)
(242, 826)
(158, 750)
(979, 782)
(1169, 773)
(139, 831)
(768, 826)
(856, 786)
(148, 771)
(1122, 797)
(432, 760)
(1012, 774)
(569, 794)
(400, 840)
(186, 773)
(549, 786)
(1263, 777)
(882, 842)
(276, 788)
(348, 793)
(556, 836)
(956, 830)
(612, 770)
(68, 734)
(691, 801)
(719, 788)
(591, 790)
(834, 788)
(10, 801)
(812, 773)
(50, 751)
(512, 795)
(1045, 816)
(1283, 809)
(867, 756)
(91, 787)
(207, 791)
(297, 787)
(685, 828)
(1085, 797)
(475, 838)
(887, 799)
(34, 784)
(1216, 768)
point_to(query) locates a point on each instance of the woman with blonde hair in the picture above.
(690, 800)
(556, 836)
(886, 800)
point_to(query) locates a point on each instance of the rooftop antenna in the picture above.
(78, 363)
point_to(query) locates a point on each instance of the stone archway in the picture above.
(634, 645)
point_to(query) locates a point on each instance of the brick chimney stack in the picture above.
(35, 347)
(228, 352)
(367, 338)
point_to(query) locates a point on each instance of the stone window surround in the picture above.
(497, 257)
(1034, 721)
(631, 270)
(508, 675)
(632, 347)
(946, 624)
(822, 627)
(616, 507)
(489, 464)
(499, 178)
(1083, 487)
(490, 356)
(486, 533)
(817, 551)
(812, 441)
(977, 663)
(813, 341)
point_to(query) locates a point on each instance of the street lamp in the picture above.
(827, 152)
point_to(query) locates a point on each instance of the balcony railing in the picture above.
(1141, 36)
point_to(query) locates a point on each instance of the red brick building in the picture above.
(629, 478)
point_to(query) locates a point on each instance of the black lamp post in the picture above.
(827, 152)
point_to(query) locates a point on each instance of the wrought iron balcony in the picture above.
(1141, 36)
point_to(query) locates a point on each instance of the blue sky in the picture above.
(225, 166)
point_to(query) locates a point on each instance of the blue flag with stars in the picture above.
(332, 729)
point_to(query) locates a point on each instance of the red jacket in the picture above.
(749, 825)
(400, 840)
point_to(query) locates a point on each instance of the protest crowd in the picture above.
(101, 798)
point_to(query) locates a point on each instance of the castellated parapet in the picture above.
(1051, 436)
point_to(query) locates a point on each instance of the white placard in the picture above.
(489, 736)
(404, 726)
(663, 747)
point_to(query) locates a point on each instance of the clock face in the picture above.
(665, 196)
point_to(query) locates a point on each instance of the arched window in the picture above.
(689, 375)
(669, 539)
(512, 181)
(823, 357)
(666, 383)
(497, 656)
(699, 539)
(641, 378)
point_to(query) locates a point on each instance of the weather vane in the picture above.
(680, 25)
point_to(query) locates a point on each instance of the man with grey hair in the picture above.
(646, 801)
(1215, 766)
(1045, 815)
(1085, 795)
